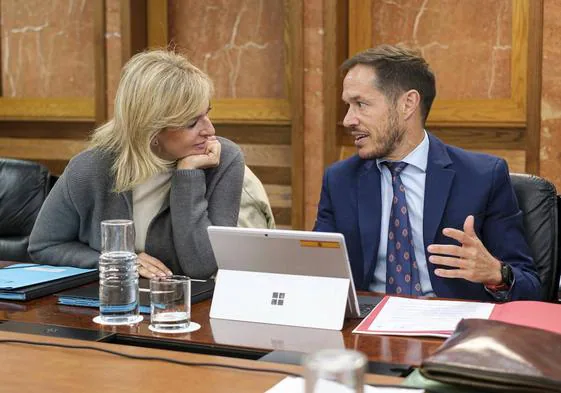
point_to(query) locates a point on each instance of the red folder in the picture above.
(540, 315)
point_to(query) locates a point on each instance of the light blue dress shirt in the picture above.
(413, 178)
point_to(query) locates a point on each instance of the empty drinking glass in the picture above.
(117, 236)
(170, 303)
(339, 370)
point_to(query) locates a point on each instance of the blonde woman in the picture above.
(157, 162)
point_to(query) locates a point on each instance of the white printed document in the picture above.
(296, 385)
(420, 317)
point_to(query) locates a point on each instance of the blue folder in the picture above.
(26, 281)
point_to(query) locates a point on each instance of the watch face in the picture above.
(506, 274)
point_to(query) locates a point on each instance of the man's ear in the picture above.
(410, 103)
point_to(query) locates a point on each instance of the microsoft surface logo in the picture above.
(278, 299)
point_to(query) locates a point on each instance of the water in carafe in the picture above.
(118, 287)
(118, 274)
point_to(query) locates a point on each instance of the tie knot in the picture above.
(395, 167)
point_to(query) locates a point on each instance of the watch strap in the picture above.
(506, 279)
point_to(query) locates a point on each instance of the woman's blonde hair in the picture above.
(157, 89)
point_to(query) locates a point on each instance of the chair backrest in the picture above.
(23, 188)
(538, 201)
(559, 247)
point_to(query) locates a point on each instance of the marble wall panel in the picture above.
(239, 43)
(113, 45)
(467, 43)
(550, 144)
(47, 48)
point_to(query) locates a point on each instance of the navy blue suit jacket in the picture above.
(458, 183)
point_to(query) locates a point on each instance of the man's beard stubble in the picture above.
(387, 139)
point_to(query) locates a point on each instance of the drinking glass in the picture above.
(170, 303)
(340, 370)
(117, 236)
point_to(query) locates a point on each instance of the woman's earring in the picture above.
(155, 142)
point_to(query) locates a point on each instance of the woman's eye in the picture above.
(196, 120)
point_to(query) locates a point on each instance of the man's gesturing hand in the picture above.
(470, 259)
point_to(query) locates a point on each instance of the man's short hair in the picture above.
(398, 69)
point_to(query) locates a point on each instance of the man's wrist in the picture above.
(505, 281)
(497, 278)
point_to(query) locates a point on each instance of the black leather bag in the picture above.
(498, 357)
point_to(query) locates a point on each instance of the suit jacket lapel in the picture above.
(437, 188)
(369, 214)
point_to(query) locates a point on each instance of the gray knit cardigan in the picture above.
(67, 230)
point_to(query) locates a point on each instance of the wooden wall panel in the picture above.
(534, 97)
(282, 217)
(50, 143)
(516, 159)
(100, 61)
(45, 129)
(267, 155)
(43, 149)
(294, 49)
(273, 175)
(113, 41)
(279, 196)
(252, 134)
(467, 138)
(268, 152)
(550, 114)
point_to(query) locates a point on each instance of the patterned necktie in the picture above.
(402, 273)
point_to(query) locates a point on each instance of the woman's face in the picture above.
(175, 143)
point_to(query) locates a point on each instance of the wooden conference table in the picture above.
(29, 367)
(219, 337)
(389, 355)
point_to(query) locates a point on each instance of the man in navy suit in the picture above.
(464, 225)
